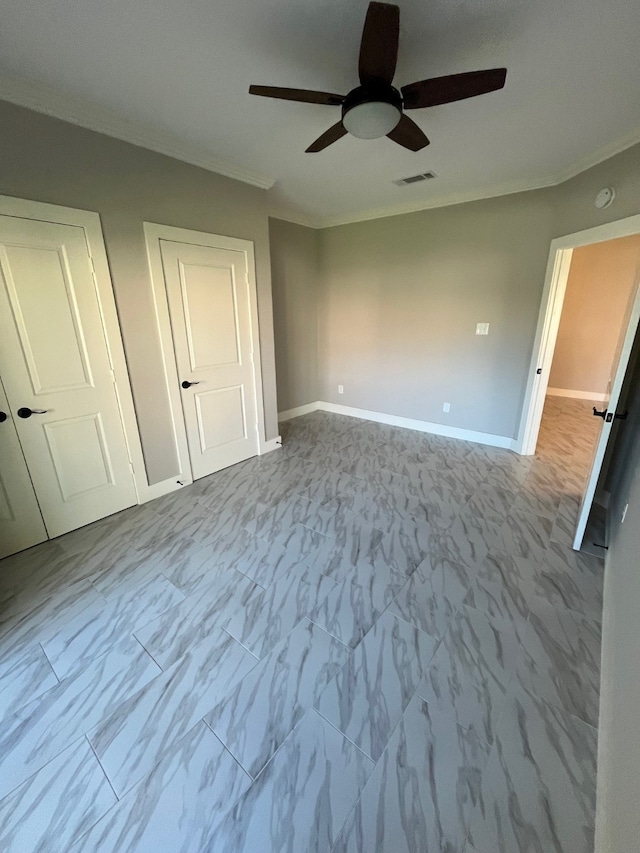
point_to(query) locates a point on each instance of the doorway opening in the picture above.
(588, 321)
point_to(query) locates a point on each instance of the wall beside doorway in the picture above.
(601, 280)
(617, 818)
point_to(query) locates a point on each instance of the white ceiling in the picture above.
(179, 71)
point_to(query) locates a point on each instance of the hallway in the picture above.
(568, 436)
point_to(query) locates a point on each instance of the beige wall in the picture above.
(48, 160)
(601, 280)
(295, 277)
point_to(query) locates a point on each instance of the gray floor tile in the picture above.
(420, 796)
(300, 553)
(42, 729)
(141, 563)
(277, 519)
(538, 788)
(525, 578)
(506, 607)
(265, 706)
(432, 595)
(491, 500)
(23, 677)
(194, 785)
(368, 696)
(351, 608)
(269, 614)
(57, 804)
(99, 627)
(266, 560)
(201, 615)
(561, 660)
(131, 740)
(470, 673)
(45, 617)
(337, 558)
(302, 798)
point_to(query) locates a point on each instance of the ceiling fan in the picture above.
(375, 108)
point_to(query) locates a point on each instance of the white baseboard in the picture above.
(407, 423)
(165, 487)
(596, 396)
(289, 414)
(173, 484)
(272, 444)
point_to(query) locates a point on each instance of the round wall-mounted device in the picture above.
(605, 197)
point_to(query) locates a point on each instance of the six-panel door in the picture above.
(55, 365)
(208, 296)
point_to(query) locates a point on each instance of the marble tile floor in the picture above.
(371, 641)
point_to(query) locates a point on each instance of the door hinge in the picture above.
(113, 375)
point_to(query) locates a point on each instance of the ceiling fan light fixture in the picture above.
(371, 119)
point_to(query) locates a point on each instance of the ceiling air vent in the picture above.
(415, 179)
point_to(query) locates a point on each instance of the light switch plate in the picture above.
(482, 328)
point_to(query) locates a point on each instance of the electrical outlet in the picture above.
(340, 389)
(624, 513)
(482, 328)
(446, 407)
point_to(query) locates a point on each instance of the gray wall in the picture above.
(48, 160)
(295, 277)
(400, 302)
(618, 819)
(574, 207)
(399, 298)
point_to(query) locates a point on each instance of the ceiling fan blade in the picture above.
(306, 96)
(408, 134)
(454, 87)
(379, 45)
(330, 136)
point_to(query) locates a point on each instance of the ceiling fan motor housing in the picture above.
(372, 110)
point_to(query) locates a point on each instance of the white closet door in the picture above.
(21, 524)
(57, 374)
(208, 295)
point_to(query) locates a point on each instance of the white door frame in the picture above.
(89, 221)
(553, 294)
(153, 234)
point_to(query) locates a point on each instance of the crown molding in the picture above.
(296, 217)
(43, 99)
(605, 152)
(413, 206)
(438, 201)
(600, 155)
